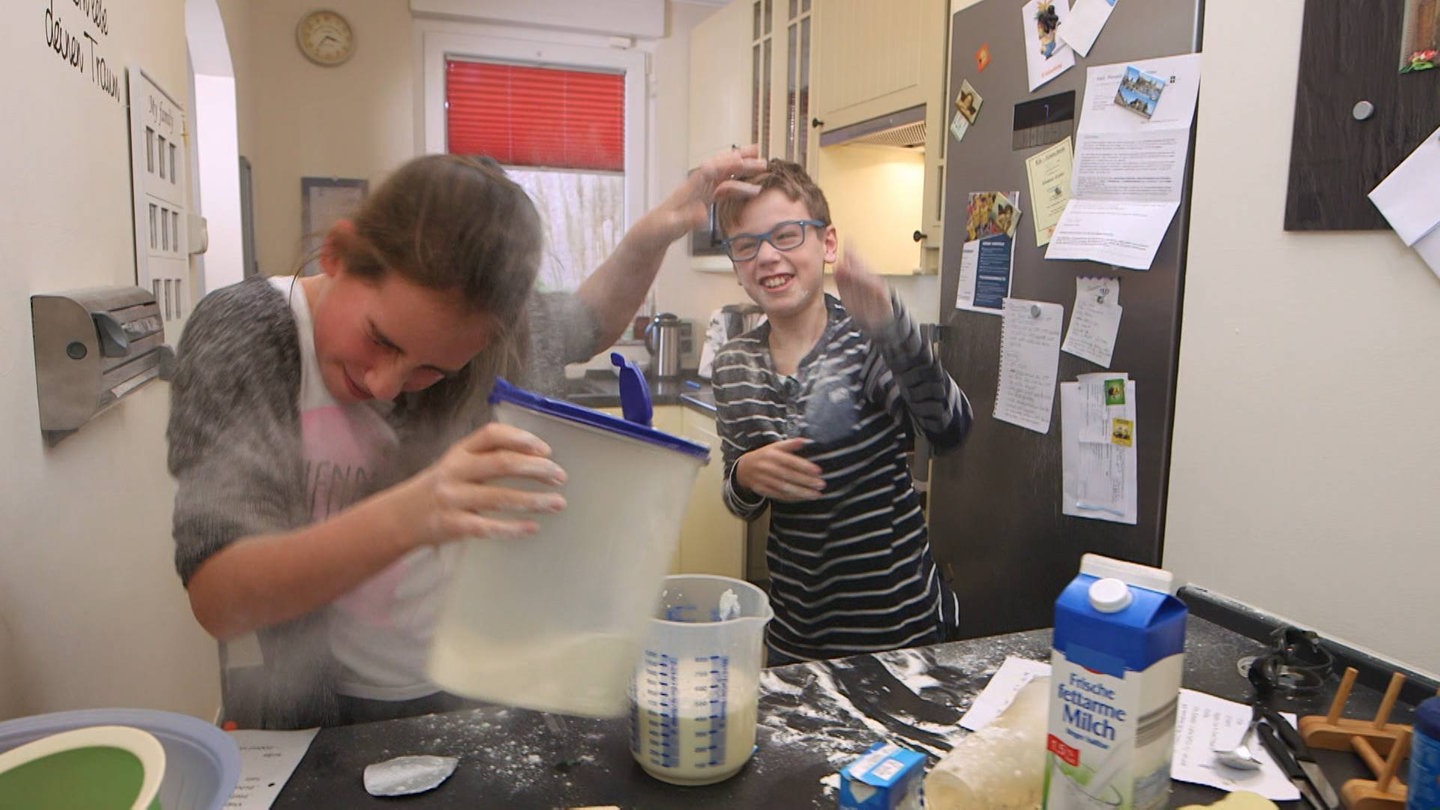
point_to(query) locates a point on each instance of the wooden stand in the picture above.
(1335, 733)
(1370, 740)
(1383, 793)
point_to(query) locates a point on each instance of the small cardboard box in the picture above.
(887, 777)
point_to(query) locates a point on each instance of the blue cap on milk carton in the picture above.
(886, 777)
(1111, 626)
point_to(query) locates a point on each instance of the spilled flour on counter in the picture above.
(523, 754)
(913, 698)
(910, 667)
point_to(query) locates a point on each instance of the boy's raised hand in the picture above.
(775, 472)
(863, 293)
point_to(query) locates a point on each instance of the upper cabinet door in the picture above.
(795, 19)
(873, 58)
(720, 81)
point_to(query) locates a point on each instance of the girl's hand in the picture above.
(457, 497)
(688, 207)
(777, 473)
(863, 293)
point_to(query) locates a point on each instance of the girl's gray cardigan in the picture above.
(235, 452)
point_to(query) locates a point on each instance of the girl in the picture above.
(323, 430)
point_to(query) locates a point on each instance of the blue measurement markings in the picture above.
(662, 704)
(711, 736)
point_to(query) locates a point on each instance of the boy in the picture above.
(816, 408)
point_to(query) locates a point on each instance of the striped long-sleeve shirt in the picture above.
(851, 571)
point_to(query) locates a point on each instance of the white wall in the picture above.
(219, 172)
(91, 611)
(302, 120)
(1304, 479)
(215, 148)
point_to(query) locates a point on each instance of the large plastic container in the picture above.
(555, 622)
(202, 763)
(695, 701)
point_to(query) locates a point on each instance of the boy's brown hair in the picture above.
(784, 176)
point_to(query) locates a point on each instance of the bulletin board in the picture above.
(997, 524)
(1351, 53)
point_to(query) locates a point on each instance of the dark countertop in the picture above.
(814, 718)
(601, 389)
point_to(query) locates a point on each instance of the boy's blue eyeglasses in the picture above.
(788, 235)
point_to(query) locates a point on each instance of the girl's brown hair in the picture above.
(456, 224)
(785, 176)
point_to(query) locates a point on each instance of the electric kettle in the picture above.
(662, 338)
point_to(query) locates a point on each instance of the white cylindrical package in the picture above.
(999, 767)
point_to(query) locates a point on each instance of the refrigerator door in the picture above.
(996, 521)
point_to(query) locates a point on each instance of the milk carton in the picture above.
(1118, 650)
(887, 777)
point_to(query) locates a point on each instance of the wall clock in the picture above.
(325, 38)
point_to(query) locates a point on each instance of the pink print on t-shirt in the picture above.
(343, 450)
(344, 447)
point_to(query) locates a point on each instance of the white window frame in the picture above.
(634, 63)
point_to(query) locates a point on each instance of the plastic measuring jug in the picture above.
(694, 702)
(556, 621)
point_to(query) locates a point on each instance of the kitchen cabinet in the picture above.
(712, 541)
(873, 59)
(814, 68)
(785, 30)
(872, 62)
(720, 92)
(750, 79)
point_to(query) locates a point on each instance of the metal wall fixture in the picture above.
(93, 347)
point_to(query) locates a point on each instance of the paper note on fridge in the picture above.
(1095, 320)
(1129, 170)
(1029, 360)
(1407, 196)
(1121, 233)
(1098, 447)
(1082, 27)
(1046, 54)
(1049, 174)
(1123, 156)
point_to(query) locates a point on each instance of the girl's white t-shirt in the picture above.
(380, 631)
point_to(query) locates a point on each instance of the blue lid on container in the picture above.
(634, 392)
(1427, 717)
(506, 392)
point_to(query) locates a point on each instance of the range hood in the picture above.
(905, 128)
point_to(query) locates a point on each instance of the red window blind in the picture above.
(534, 116)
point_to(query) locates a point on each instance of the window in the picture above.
(560, 133)
(567, 122)
(536, 116)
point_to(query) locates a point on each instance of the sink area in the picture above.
(603, 391)
(593, 391)
(584, 386)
